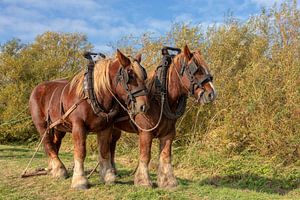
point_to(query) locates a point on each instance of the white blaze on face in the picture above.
(213, 89)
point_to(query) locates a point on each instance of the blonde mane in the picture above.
(101, 79)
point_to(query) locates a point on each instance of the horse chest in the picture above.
(97, 124)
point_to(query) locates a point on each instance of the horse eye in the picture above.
(130, 75)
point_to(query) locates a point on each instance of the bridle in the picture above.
(122, 78)
(190, 70)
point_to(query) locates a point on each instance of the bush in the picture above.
(22, 67)
(255, 65)
(256, 69)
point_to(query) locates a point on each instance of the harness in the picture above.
(162, 87)
(190, 70)
(122, 77)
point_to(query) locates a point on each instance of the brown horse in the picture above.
(188, 73)
(114, 80)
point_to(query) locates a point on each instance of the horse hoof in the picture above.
(80, 183)
(143, 183)
(80, 187)
(110, 178)
(59, 173)
(167, 183)
(142, 179)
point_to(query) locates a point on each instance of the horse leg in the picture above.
(57, 167)
(115, 137)
(79, 181)
(142, 177)
(165, 176)
(107, 174)
(50, 149)
(58, 136)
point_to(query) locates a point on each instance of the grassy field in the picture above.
(210, 177)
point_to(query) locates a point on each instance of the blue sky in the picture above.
(107, 21)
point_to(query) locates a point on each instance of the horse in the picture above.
(117, 80)
(187, 74)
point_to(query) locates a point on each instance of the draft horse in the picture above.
(115, 81)
(183, 74)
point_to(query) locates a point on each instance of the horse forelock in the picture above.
(137, 68)
(101, 79)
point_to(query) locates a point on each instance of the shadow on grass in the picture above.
(17, 152)
(254, 182)
(126, 177)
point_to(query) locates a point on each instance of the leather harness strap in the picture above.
(161, 85)
(122, 77)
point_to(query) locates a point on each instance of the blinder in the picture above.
(191, 70)
(123, 78)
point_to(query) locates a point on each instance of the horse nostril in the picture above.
(211, 96)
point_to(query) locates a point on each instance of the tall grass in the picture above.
(256, 66)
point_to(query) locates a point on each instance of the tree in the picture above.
(51, 56)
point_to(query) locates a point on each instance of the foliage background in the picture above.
(256, 65)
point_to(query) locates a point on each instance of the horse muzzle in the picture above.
(205, 96)
(140, 105)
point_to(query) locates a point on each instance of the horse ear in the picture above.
(187, 53)
(122, 59)
(198, 51)
(138, 58)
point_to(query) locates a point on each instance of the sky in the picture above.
(105, 22)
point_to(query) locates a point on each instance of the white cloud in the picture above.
(107, 21)
(266, 3)
(157, 26)
(29, 18)
(105, 49)
(185, 17)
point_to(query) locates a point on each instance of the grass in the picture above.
(210, 177)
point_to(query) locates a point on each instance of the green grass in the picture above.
(210, 177)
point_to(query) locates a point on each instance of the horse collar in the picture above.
(88, 85)
(161, 85)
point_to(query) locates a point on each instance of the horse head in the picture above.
(195, 75)
(130, 79)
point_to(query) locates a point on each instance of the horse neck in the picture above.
(174, 86)
(105, 99)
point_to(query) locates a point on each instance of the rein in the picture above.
(132, 118)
